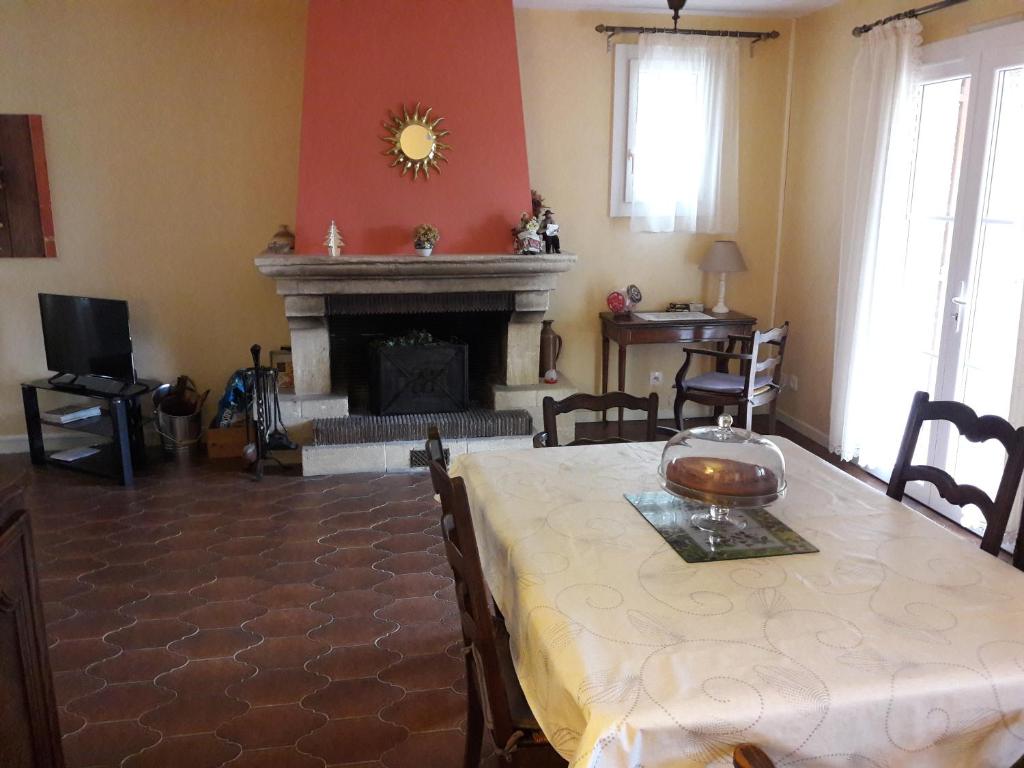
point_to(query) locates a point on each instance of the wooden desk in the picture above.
(627, 329)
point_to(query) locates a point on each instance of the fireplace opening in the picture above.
(355, 339)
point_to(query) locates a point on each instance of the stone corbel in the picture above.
(311, 344)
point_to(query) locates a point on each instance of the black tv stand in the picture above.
(120, 424)
(101, 386)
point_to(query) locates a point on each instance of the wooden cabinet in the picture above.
(29, 730)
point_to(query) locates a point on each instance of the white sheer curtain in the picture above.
(685, 154)
(871, 388)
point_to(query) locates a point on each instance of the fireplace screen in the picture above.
(419, 378)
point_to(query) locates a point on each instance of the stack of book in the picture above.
(70, 413)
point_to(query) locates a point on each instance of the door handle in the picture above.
(959, 302)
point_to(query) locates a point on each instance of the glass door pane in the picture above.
(933, 202)
(991, 312)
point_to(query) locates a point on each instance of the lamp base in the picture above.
(720, 308)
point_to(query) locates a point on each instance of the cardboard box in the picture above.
(226, 442)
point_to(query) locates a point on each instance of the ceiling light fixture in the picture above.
(676, 6)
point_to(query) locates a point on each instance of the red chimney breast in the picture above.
(366, 57)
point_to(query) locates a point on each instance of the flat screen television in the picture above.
(87, 337)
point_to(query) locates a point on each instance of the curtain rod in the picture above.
(913, 13)
(754, 37)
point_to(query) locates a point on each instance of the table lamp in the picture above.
(723, 256)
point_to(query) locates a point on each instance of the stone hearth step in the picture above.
(474, 423)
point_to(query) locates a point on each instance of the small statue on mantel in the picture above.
(333, 240)
(552, 243)
(283, 241)
(527, 241)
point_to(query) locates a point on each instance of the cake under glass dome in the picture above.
(724, 468)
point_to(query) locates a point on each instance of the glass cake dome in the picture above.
(723, 468)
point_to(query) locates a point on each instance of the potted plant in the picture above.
(425, 237)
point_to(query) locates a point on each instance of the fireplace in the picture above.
(357, 326)
(338, 307)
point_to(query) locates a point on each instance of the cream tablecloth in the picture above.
(898, 644)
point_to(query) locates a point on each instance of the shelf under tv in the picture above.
(95, 425)
(120, 422)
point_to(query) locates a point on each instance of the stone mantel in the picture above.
(306, 280)
(315, 274)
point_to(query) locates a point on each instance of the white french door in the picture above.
(965, 249)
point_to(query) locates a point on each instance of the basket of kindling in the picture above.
(178, 416)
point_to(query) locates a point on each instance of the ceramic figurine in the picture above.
(527, 239)
(283, 241)
(552, 244)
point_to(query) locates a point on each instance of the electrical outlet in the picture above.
(794, 382)
(655, 378)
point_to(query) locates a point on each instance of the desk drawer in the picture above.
(673, 334)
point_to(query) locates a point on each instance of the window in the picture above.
(675, 134)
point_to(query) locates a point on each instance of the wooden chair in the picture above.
(435, 448)
(977, 429)
(750, 756)
(758, 382)
(598, 403)
(495, 699)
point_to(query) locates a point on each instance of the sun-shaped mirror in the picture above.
(416, 142)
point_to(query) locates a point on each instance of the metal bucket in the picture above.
(179, 434)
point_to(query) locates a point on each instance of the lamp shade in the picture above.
(723, 256)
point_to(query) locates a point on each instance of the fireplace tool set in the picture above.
(264, 414)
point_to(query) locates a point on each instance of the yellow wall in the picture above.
(824, 55)
(172, 140)
(172, 136)
(567, 96)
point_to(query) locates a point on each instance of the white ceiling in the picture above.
(785, 8)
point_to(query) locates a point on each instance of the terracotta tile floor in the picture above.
(202, 619)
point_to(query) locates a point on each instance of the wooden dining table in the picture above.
(899, 643)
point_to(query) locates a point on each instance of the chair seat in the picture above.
(726, 382)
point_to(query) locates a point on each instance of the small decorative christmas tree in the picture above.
(333, 240)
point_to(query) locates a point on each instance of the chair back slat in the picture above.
(479, 634)
(598, 403)
(976, 429)
(774, 337)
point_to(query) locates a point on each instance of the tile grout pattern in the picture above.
(203, 619)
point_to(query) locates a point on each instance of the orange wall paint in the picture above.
(366, 58)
